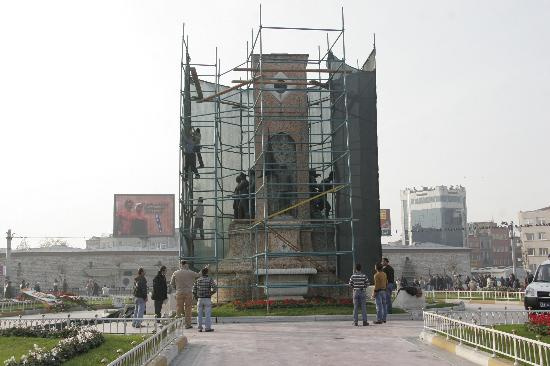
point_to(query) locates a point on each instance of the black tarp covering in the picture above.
(362, 115)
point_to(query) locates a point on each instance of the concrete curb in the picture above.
(299, 319)
(167, 355)
(460, 350)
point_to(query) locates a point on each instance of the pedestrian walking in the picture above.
(359, 283)
(380, 284)
(160, 290)
(388, 270)
(182, 281)
(203, 289)
(140, 296)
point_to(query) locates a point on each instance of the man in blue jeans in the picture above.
(203, 289)
(140, 295)
(359, 283)
(388, 270)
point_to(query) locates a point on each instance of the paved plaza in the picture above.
(313, 343)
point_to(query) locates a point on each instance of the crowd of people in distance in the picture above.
(10, 292)
(458, 282)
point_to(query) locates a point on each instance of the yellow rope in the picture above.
(332, 190)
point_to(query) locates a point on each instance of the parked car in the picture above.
(537, 294)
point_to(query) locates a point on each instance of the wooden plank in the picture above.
(246, 82)
(283, 81)
(329, 71)
(197, 83)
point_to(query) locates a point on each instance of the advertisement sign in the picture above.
(385, 222)
(143, 215)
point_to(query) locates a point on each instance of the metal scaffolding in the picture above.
(234, 123)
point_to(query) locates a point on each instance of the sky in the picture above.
(89, 98)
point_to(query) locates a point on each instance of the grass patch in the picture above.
(228, 310)
(18, 346)
(522, 331)
(106, 350)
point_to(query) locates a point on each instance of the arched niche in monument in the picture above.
(281, 173)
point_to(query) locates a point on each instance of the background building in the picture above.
(535, 235)
(133, 243)
(435, 214)
(490, 245)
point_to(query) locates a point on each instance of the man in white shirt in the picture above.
(199, 219)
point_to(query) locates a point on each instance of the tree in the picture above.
(51, 242)
(23, 245)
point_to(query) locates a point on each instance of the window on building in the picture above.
(528, 222)
(543, 251)
(541, 221)
(530, 251)
(529, 236)
(541, 236)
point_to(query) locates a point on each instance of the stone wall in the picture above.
(112, 268)
(421, 262)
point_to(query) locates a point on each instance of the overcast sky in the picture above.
(89, 101)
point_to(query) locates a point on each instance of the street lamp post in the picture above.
(511, 236)
(9, 237)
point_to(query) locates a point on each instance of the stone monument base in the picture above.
(296, 280)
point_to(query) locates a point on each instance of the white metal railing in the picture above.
(148, 349)
(517, 348)
(7, 306)
(475, 295)
(490, 317)
(104, 325)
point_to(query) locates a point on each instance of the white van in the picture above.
(537, 294)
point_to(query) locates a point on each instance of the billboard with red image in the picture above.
(143, 215)
(385, 222)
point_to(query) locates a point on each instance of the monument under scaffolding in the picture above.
(286, 184)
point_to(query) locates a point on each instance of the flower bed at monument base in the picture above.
(539, 323)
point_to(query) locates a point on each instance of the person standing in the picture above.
(55, 285)
(182, 281)
(89, 287)
(160, 290)
(140, 296)
(359, 283)
(380, 284)
(9, 292)
(64, 285)
(105, 290)
(390, 274)
(198, 225)
(203, 289)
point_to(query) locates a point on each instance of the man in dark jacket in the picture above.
(388, 270)
(140, 295)
(160, 290)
